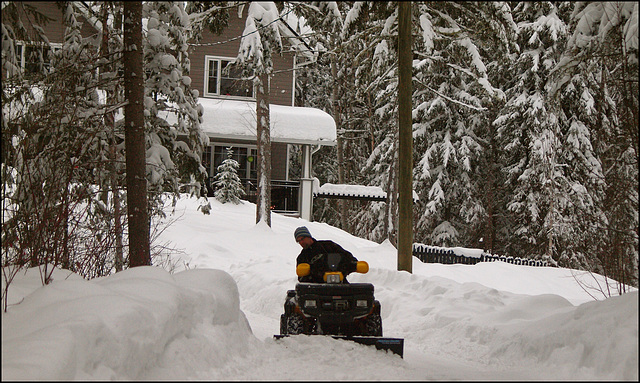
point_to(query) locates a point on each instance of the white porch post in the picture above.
(306, 185)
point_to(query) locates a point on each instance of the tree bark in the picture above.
(263, 202)
(405, 152)
(391, 221)
(137, 211)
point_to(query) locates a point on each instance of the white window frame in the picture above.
(23, 45)
(206, 93)
(250, 150)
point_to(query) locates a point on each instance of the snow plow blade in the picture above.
(395, 345)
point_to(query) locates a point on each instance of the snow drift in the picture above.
(215, 320)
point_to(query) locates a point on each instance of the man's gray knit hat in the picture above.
(302, 231)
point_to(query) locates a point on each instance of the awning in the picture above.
(357, 192)
(231, 119)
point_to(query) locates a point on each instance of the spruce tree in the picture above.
(227, 184)
(596, 81)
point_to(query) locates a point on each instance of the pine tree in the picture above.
(453, 96)
(597, 78)
(363, 92)
(545, 146)
(171, 105)
(228, 187)
(450, 87)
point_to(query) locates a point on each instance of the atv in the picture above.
(337, 308)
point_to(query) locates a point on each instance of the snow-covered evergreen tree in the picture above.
(332, 84)
(598, 77)
(373, 112)
(228, 187)
(447, 78)
(450, 86)
(355, 88)
(170, 103)
(529, 131)
(453, 95)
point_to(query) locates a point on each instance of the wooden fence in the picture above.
(434, 254)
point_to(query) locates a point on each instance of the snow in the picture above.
(158, 162)
(214, 317)
(329, 189)
(428, 35)
(600, 17)
(237, 119)
(352, 190)
(352, 17)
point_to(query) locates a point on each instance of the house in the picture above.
(229, 115)
(229, 109)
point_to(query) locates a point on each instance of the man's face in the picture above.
(304, 241)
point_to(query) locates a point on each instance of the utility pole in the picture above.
(405, 147)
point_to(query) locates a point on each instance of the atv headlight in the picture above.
(333, 278)
(361, 303)
(310, 303)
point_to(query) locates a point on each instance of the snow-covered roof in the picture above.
(233, 119)
(353, 191)
(464, 251)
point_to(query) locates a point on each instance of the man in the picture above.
(315, 254)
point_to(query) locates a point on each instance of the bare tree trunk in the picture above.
(109, 120)
(263, 202)
(405, 139)
(117, 219)
(138, 215)
(391, 221)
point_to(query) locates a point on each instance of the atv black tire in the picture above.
(291, 324)
(373, 325)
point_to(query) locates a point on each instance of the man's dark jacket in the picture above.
(316, 256)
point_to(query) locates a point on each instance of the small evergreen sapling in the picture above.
(227, 184)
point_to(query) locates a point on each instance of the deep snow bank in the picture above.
(116, 327)
(596, 340)
(531, 336)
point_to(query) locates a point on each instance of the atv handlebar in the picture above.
(304, 269)
(362, 267)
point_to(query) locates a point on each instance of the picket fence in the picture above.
(434, 254)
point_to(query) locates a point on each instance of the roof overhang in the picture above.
(233, 119)
(361, 192)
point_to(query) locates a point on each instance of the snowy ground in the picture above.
(215, 320)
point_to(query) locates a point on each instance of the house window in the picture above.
(35, 58)
(220, 80)
(213, 156)
(245, 156)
